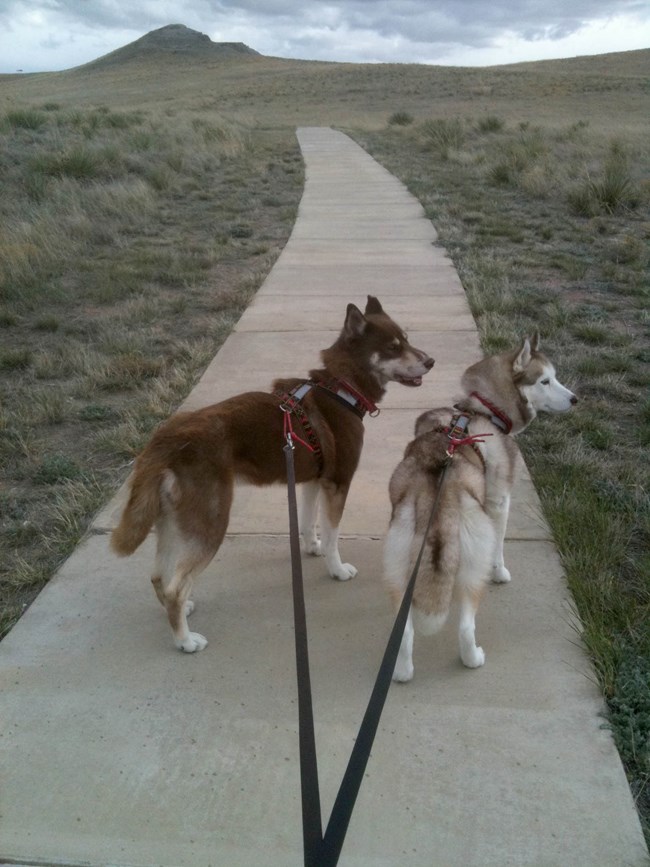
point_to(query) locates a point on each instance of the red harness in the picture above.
(291, 405)
(457, 436)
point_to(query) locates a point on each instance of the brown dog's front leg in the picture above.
(310, 542)
(334, 503)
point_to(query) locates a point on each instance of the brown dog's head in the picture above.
(384, 345)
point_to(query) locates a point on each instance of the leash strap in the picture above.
(312, 833)
(319, 850)
(346, 798)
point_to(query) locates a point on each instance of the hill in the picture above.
(174, 40)
(177, 66)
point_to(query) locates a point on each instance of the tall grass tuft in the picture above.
(25, 118)
(606, 192)
(442, 135)
(78, 162)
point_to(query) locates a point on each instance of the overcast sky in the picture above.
(39, 35)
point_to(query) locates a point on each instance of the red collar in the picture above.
(347, 394)
(499, 418)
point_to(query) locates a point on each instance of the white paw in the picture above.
(189, 607)
(473, 658)
(344, 572)
(192, 643)
(403, 672)
(500, 575)
(312, 547)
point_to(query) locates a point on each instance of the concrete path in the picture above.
(119, 750)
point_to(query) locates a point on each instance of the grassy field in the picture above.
(130, 244)
(145, 200)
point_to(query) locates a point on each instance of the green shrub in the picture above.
(614, 190)
(490, 123)
(519, 159)
(96, 412)
(502, 174)
(47, 323)
(581, 200)
(400, 118)
(56, 468)
(630, 712)
(241, 230)
(15, 359)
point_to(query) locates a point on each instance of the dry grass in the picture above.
(123, 265)
(265, 91)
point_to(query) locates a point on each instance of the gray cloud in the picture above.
(363, 30)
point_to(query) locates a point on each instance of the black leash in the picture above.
(319, 850)
(312, 832)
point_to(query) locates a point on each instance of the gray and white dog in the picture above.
(464, 545)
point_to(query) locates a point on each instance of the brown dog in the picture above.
(183, 480)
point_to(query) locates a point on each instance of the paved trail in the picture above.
(117, 749)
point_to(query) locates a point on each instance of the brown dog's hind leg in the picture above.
(168, 545)
(182, 555)
(176, 598)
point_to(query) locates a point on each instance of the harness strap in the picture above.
(457, 437)
(348, 396)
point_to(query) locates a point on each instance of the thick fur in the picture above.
(183, 481)
(464, 547)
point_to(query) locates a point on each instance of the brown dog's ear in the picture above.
(373, 305)
(355, 322)
(522, 358)
(535, 342)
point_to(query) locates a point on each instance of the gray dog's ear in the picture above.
(373, 305)
(522, 358)
(355, 322)
(535, 342)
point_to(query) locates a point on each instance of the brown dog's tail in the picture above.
(141, 510)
